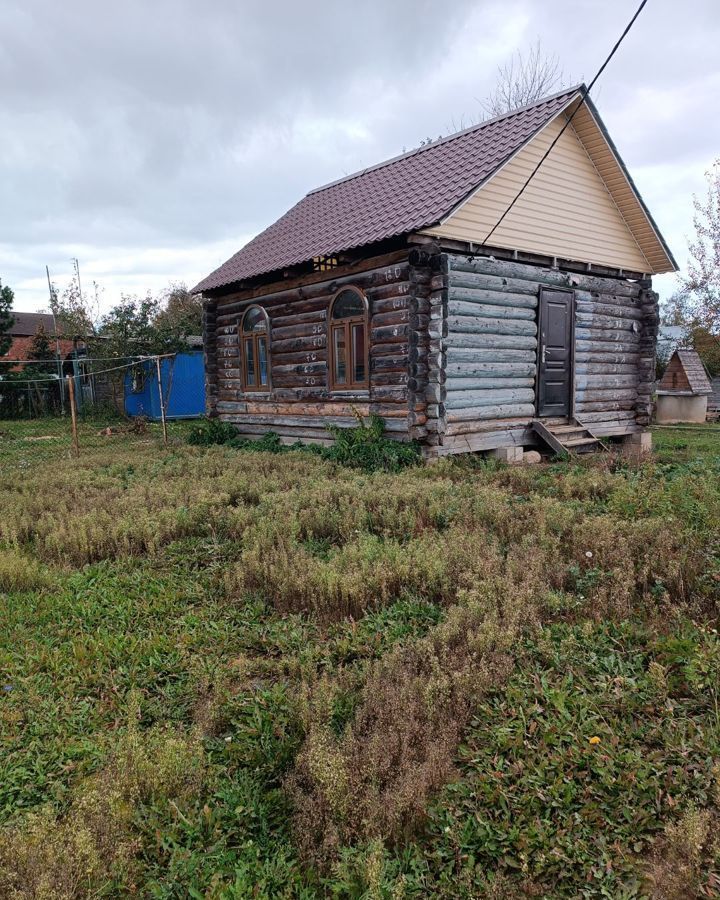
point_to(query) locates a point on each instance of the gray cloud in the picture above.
(152, 140)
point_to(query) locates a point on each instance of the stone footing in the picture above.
(637, 444)
(513, 456)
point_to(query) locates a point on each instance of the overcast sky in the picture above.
(153, 139)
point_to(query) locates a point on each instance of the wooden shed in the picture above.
(394, 291)
(684, 390)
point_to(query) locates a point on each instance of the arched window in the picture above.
(348, 345)
(254, 352)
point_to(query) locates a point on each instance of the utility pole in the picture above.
(53, 309)
(77, 275)
(73, 414)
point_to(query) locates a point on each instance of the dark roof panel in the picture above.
(695, 371)
(689, 364)
(401, 195)
(27, 323)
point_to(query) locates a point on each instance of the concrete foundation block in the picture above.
(637, 444)
(513, 456)
(672, 408)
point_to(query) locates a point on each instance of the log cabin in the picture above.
(419, 291)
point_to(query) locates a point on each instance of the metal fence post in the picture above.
(73, 413)
(162, 400)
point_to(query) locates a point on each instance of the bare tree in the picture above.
(702, 282)
(524, 79)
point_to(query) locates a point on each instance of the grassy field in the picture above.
(230, 674)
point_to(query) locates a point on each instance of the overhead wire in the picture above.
(56, 378)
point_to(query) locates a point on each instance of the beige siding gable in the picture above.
(566, 211)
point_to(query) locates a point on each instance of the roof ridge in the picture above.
(450, 137)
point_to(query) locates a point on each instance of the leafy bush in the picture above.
(366, 447)
(211, 431)
(363, 447)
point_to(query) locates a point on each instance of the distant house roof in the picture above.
(402, 195)
(27, 323)
(685, 374)
(22, 344)
(23, 332)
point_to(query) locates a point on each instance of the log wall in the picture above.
(453, 352)
(487, 352)
(300, 404)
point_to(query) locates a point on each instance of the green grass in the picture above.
(681, 443)
(227, 674)
(26, 443)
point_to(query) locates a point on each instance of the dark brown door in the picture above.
(555, 356)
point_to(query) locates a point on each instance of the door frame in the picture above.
(573, 301)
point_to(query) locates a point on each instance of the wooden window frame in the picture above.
(255, 337)
(346, 325)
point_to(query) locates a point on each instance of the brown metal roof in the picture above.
(396, 197)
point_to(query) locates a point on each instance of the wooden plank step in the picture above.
(567, 437)
(578, 442)
(566, 429)
(549, 438)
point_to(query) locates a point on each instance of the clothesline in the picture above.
(56, 378)
(84, 359)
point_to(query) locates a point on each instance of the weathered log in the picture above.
(298, 344)
(293, 357)
(518, 425)
(389, 334)
(592, 320)
(597, 368)
(497, 396)
(312, 368)
(392, 304)
(454, 383)
(492, 354)
(496, 298)
(492, 341)
(494, 283)
(607, 335)
(592, 394)
(600, 405)
(490, 369)
(506, 411)
(537, 274)
(477, 325)
(588, 382)
(304, 329)
(608, 309)
(601, 357)
(394, 317)
(472, 443)
(587, 344)
(488, 310)
(608, 415)
(298, 318)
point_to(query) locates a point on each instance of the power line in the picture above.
(584, 93)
